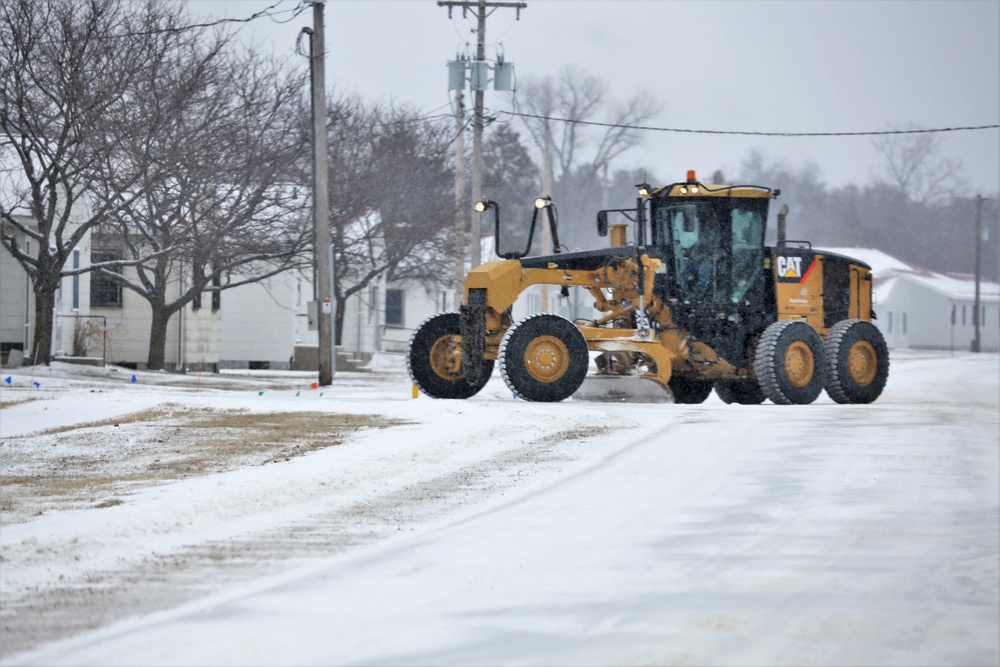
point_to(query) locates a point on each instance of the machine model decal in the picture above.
(790, 268)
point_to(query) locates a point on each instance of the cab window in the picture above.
(748, 226)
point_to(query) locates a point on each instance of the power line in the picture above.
(217, 22)
(294, 11)
(745, 132)
(408, 121)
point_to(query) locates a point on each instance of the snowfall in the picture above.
(250, 518)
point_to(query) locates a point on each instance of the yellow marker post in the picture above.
(416, 392)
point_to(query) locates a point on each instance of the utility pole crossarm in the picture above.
(473, 4)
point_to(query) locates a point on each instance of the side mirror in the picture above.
(602, 223)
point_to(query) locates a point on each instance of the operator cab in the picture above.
(715, 244)
(711, 238)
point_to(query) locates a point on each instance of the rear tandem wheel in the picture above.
(789, 363)
(857, 362)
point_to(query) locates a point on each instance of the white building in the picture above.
(263, 323)
(17, 298)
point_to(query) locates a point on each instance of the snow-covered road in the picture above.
(493, 531)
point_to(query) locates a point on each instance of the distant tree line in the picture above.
(929, 221)
(915, 208)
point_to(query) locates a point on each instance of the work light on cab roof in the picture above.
(692, 185)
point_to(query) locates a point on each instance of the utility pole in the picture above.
(976, 343)
(479, 10)
(461, 209)
(321, 198)
(546, 222)
(475, 253)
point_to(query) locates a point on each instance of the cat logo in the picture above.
(789, 267)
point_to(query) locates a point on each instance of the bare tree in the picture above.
(574, 96)
(391, 197)
(510, 178)
(913, 165)
(224, 126)
(560, 106)
(65, 68)
(937, 235)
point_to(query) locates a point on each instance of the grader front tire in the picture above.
(434, 359)
(544, 358)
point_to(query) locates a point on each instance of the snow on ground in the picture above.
(210, 523)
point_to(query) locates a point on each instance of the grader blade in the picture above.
(622, 389)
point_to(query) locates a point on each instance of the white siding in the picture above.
(263, 322)
(16, 304)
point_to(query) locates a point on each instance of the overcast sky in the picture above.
(750, 66)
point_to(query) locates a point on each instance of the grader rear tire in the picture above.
(434, 358)
(544, 358)
(790, 363)
(857, 362)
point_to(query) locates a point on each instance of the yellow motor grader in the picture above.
(699, 303)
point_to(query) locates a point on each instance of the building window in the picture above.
(904, 322)
(395, 307)
(215, 294)
(963, 314)
(889, 328)
(104, 291)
